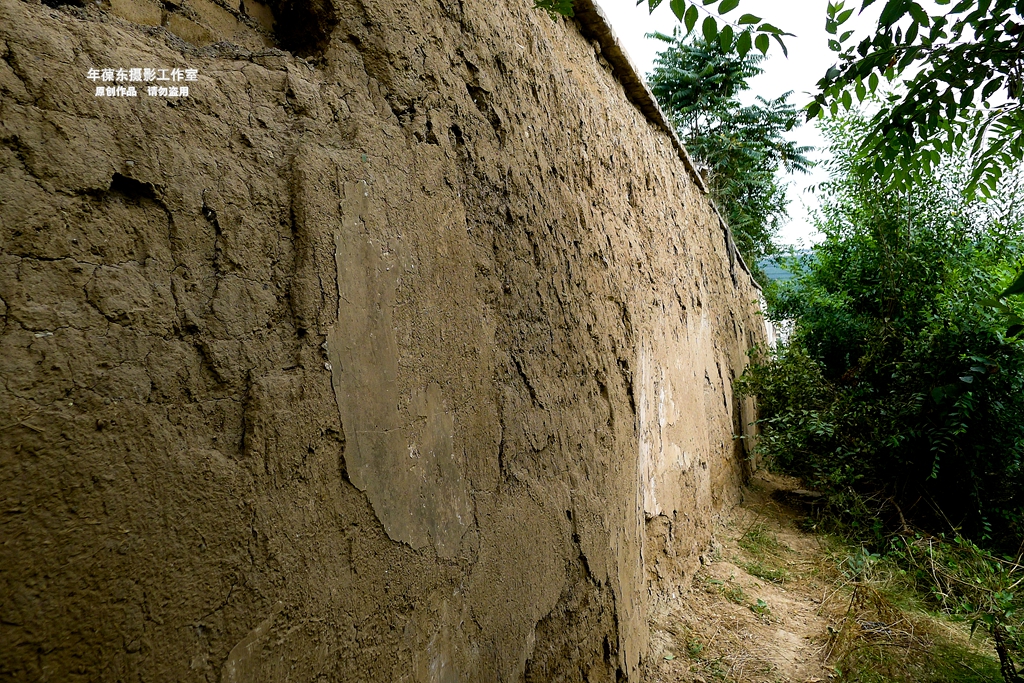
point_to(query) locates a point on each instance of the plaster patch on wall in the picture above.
(405, 463)
(649, 434)
(435, 638)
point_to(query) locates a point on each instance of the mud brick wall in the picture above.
(400, 349)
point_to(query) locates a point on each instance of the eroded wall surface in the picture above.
(408, 359)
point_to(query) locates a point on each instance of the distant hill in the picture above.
(776, 267)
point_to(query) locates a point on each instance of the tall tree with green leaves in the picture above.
(740, 148)
(900, 379)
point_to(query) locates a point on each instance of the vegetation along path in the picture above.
(776, 602)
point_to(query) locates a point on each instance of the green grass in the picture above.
(943, 662)
(893, 591)
(765, 571)
(734, 594)
(758, 540)
(761, 609)
(764, 547)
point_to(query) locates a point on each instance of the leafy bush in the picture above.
(899, 393)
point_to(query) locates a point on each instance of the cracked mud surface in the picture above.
(258, 426)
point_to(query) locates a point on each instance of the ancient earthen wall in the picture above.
(399, 350)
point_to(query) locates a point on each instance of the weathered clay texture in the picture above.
(409, 362)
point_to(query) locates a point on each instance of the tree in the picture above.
(944, 69)
(896, 382)
(741, 148)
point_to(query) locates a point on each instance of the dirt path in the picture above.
(770, 605)
(754, 611)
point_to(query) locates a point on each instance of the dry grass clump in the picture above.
(874, 640)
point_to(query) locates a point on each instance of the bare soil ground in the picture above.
(769, 605)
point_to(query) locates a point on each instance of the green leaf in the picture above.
(782, 44)
(555, 7)
(725, 38)
(743, 43)
(690, 20)
(749, 19)
(919, 15)
(873, 81)
(678, 8)
(710, 29)
(728, 6)
(990, 88)
(1015, 288)
(993, 303)
(761, 43)
(891, 13)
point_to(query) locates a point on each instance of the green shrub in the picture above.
(899, 394)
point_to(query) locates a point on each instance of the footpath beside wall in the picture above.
(400, 349)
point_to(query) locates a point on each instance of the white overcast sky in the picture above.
(809, 58)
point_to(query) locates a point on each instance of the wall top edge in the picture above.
(595, 26)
